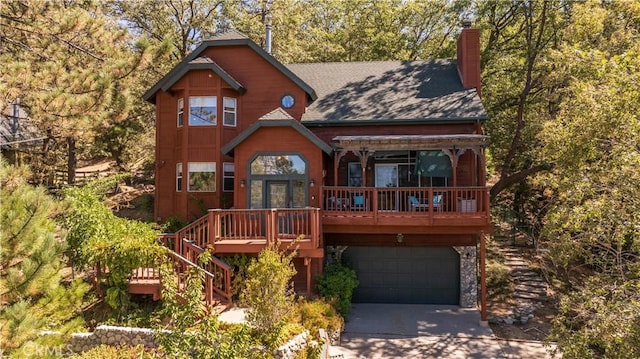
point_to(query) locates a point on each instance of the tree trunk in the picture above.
(72, 161)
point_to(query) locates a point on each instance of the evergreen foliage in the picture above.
(97, 236)
(32, 297)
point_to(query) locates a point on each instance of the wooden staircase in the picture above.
(183, 255)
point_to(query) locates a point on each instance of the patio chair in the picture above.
(417, 205)
(359, 203)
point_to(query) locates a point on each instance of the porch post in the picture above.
(336, 163)
(364, 154)
(483, 282)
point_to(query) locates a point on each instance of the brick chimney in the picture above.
(469, 57)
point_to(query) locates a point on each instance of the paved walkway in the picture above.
(425, 331)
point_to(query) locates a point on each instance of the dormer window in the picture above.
(230, 111)
(202, 111)
(180, 112)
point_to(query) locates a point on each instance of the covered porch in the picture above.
(407, 181)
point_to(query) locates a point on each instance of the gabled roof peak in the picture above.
(277, 114)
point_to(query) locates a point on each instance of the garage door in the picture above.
(411, 275)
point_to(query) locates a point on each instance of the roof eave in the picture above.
(406, 121)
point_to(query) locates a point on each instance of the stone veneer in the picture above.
(468, 276)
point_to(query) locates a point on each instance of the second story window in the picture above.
(202, 111)
(230, 111)
(179, 177)
(180, 112)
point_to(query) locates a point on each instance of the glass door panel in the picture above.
(386, 175)
(277, 194)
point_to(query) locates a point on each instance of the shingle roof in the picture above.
(195, 63)
(388, 91)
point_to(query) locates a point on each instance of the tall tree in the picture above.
(179, 24)
(519, 34)
(31, 296)
(72, 67)
(594, 221)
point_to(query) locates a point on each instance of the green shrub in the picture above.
(498, 278)
(336, 284)
(173, 224)
(318, 314)
(240, 263)
(112, 352)
(268, 291)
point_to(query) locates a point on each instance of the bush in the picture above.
(240, 263)
(268, 292)
(336, 284)
(110, 352)
(498, 279)
(318, 314)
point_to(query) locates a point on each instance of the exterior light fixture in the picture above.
(312, 183)
(242, 183)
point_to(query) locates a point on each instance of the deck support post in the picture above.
(483, 281)
(307, 263)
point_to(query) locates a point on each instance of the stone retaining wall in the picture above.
(111, 335)
(119, 336)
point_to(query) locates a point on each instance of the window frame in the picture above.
(180, 114)
(179, 176)
(225, 177)
(212, 165)
(204, 123)
(234, 112)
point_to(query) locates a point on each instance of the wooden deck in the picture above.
(407, 210)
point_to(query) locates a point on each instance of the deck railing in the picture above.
(252, 224)
(406, 199)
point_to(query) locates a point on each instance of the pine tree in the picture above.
(31, 296)
(74, 69)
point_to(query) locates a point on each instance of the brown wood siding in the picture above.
(408, 240)
(265, 85)
(277, 139)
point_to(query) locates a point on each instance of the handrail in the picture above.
(221, 271)
(374, 201)
(180, 265)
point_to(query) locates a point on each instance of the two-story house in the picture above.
(380, 163)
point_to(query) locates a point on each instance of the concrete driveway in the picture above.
(425, 331)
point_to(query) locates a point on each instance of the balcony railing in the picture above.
(369, 200)
(269, 225)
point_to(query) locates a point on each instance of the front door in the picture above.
(278, 194)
